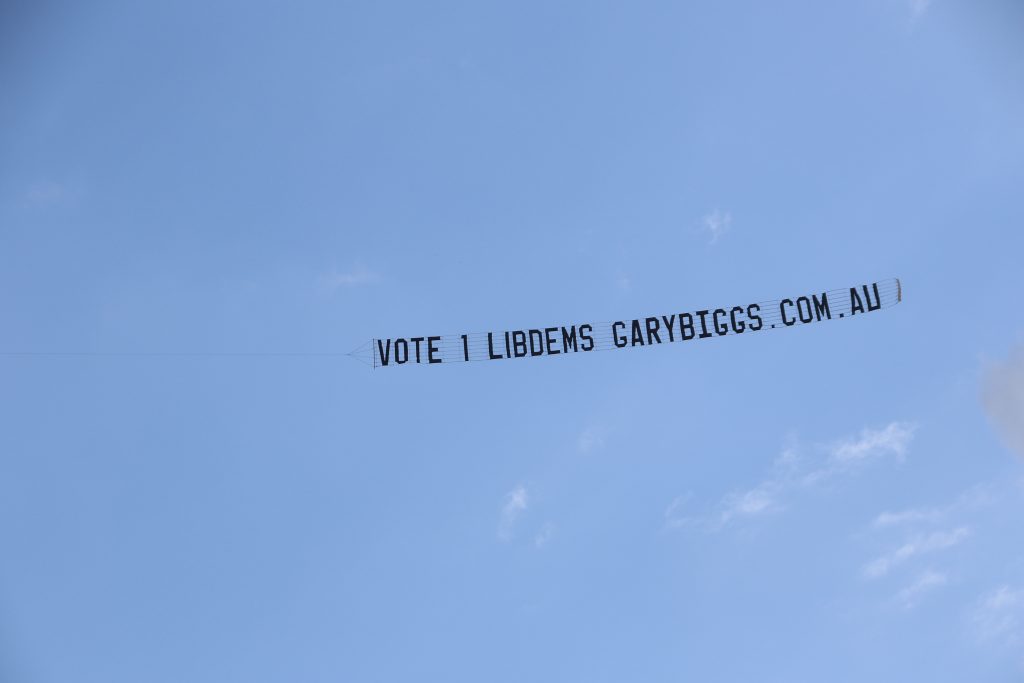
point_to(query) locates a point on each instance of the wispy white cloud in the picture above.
(893, 439)
(760, 500)
(354, 277)
(918, 8)
(919, 545)
(925, 583)
(1002, 395)
(623, 282)
(998, 616)
(46, 192)
(973, 497)
(846, 455)
(543, 537)
(792, 472)
(904, 517)
(716, 224)
(735, 506)
(591, 439)
(674, 517)
(516, 502)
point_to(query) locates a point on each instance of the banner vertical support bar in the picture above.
(373, 353)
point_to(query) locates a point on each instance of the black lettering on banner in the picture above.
(652, 329)
(585, 331)
(550, 341)
(686, 326)
(384, 351)
(569, 338)
(878, 299)
(782, 309)
(518, 343)
(737, 326)
(703, 325)
(490, 347)
(855, 303)
(752, 313)
(401, 352)
(801, 304)
(669, 323)
(821, 306)
(619, 342)
(645, 331)
(720, 327)
(638, 333)
(538, 348)
(417, 340)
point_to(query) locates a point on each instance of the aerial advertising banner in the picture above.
(671, 328)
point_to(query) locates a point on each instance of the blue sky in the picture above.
(837, 502)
